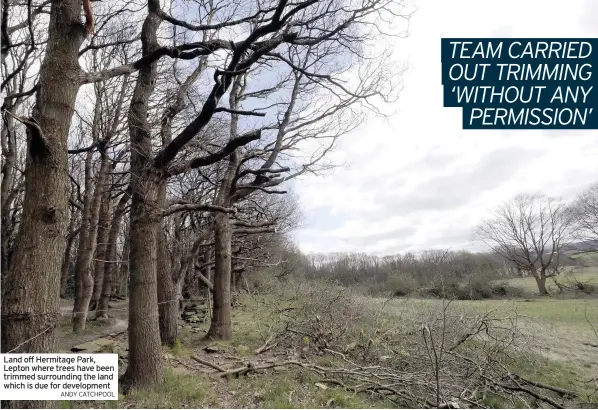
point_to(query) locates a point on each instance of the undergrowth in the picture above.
(336, 330)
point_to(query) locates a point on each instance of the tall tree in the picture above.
(30, 302)
(110, 266)
(531, 232)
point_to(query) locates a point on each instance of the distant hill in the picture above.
(585, 246)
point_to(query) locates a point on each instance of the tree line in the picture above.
(531, 235)
(148, 149)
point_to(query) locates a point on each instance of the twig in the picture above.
(266, 346)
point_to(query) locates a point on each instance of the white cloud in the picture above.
(418, 180)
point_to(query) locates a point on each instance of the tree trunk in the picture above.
(101, 264)
(145, 352)
(7, 190)
(541, 281)
(168, 310)
(207, 258)
(220, 327)
(170, 280)
(66, 264)
(145, 358)
(83, 273)
(167, 287)
(111, 267)
(238, 278)
(187, 291)
(122, 286)
(30, 304)
(233, 282)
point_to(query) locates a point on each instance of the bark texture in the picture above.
(30, 306)
(87, 247)
(121, 287)
(220, 326)
(541, 281)
(111, 268)
(167, 295)
(101, 260)
(66, 262)
(167, 286)
(7, 192)
(145, 358)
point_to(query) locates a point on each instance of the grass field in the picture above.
(558, 343)
(528, 284)
(586, 258)
(556, 325)
(585, 275)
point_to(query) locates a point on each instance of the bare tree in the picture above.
(32, 284)
(30, 301)
(322, 55)
(93, 233)
(31, 292)
(585, 213)
(277, 25)
(110, 265)
(531, 231)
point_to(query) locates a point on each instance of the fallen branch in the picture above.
(532, 393)
(250, 367)
(206, 363)
(267, 346)
(562, 392)
(197, 369)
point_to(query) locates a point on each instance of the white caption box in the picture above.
(59, 376)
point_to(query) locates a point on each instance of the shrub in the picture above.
(401, 284)
(443, 290)
(476, 289)
(585, 287)
(262, 282)
(375, 289)
(503, 289)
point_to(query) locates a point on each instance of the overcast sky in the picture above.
(418, 180)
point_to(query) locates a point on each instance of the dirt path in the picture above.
(117, 322)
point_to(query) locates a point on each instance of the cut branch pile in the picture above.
(438, 359)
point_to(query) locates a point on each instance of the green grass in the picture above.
(285, 389)
(180, 390)
(586, 258)
(577, 315)
(494, 401)
(540, 369)
(563, 375)
(534, 367)
(563, 312)
(178, 349)
(186, 390)
(528, 284)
